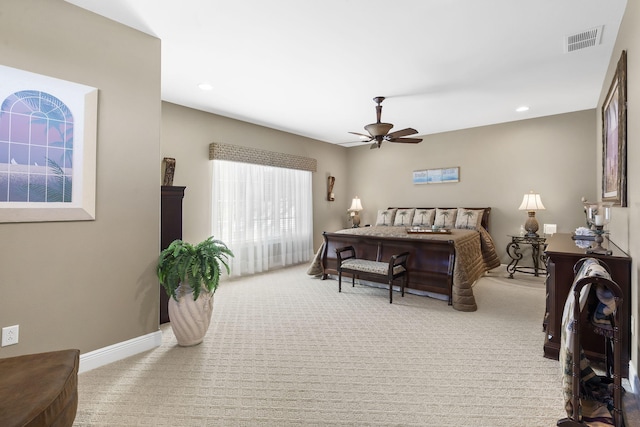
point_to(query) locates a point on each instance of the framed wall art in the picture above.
(436, 176)
(614, 137)
(48, 133)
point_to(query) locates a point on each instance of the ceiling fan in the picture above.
(378, 131)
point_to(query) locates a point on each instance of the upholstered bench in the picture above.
(38, 390)
(374, 271)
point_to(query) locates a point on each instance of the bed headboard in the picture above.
(485, 215)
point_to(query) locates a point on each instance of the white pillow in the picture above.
(469, 218)
(386, 216)
(404, 217)
(445, 218)
(424, 217)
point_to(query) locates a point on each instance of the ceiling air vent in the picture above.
(583, 40)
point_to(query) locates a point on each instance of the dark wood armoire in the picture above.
(170, 230)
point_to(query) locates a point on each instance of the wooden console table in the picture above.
(562, 253)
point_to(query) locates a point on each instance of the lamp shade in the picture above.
(531, 202)
(356, 206)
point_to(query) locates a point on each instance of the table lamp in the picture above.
(355, 209)
(531, 203)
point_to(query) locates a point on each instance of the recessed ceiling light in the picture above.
(522, 109)
(205, 86)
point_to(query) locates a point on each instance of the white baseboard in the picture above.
(113, 353)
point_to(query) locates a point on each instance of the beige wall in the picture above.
(88, 284)
(498, 165)
(625, 224)
(186, 135)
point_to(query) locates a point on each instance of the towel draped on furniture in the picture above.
(595, 400)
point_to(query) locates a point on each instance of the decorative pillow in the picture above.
(445, 218)
(386, 216)
(424, 217)
(404, 217)
(469, 218)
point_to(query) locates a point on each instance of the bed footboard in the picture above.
(430, 265)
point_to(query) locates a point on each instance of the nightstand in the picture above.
(514, 251)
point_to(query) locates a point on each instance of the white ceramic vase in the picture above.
(190, 319)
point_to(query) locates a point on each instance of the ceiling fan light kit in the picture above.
(379, 131)
(378, 128)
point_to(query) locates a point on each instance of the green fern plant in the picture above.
(199, 266)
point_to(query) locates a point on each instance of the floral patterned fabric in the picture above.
(369, 266)
(595, 399)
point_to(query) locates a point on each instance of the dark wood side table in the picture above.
(562, 253)
(515, 253)
(170, 230)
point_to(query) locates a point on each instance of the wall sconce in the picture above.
(531, 203)
(354, 210)
(331, 180)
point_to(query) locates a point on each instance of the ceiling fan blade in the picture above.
(406, 140)
(374, 145)
(402, 132)
(368, 137)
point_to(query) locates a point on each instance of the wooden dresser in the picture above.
(561, 254)
(170, 230)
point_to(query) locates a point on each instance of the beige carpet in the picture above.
(286, 349)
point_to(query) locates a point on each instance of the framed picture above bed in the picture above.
(614, 137)
(436, 176)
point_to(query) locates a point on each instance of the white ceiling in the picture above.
(312, 67)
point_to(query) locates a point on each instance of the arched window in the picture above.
(36, 148)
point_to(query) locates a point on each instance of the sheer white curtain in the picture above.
(263, 213)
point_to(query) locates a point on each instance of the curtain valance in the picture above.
(238, 153)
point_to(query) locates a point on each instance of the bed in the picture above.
(442, 263)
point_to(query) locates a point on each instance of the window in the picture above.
(263, 213)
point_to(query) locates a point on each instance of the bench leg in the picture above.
(339, 281)
(391, 291)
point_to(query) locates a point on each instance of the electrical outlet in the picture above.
(10, 335)
(549, 229)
